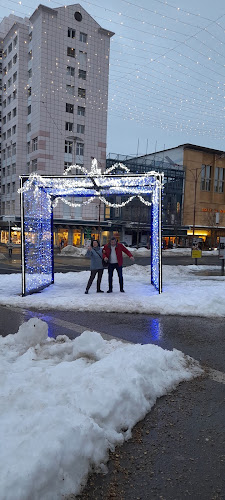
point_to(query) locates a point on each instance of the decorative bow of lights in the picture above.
(94, 175)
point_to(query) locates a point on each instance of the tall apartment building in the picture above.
(55, 68)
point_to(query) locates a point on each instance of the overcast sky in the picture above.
(167, 71)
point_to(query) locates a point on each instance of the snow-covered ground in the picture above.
(65, 403)
(185, 292)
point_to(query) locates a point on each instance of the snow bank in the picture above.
(72, 251)
(185, 292)
(66, 403)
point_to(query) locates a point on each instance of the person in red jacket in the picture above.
(113, 254)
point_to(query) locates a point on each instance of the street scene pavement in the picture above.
(178, 450)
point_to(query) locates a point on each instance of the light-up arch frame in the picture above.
(38, 194)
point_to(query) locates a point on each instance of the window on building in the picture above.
(8, 170)
(219, 180)
(8, 208)
(9, 98)
(9, 65)
(70, 89)
(3, 189)
(14, 76)
(4, 103)
(8, 188)
(80, 149)
(9, 83)
(71, 33)
(70, 52)
(68, 147)
(28, 147)
(29, 109)
(206, 178)
(80, 129)
(69, 127)
(70, 70)
(9, 132)
(29, 91)
(80, 110)
(81, 93)
(30, 36)
(35, 144)
(3, 172)
(30, 73)
(67, 164)
(15, 94)
(15, 41)
(14, 129)
(9, 115)
(14, 168)
(14, 59)
(83, 37)
(10, 48)
(4, 120)
(9, 151)
(82, 57)
(4, 136)
(82, 74)
(14, 112)
(28, 127)
(13, 187)
(30, 55)
(69, 108)
(34, 165)
(5, 71)
(3, 154)
(14, 149)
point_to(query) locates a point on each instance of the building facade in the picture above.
(55, 68)
(193, 196)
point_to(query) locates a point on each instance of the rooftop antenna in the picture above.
(137, 146)
(146, 147)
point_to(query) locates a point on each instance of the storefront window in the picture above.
(77, 237)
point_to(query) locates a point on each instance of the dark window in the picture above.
(78, 16)
(81, 93)
(71, 33)
(82, 74)
(69, 126)
(69, 108)
(70, 52)
(80, 110)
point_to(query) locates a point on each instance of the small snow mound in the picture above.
(31, 333)
(73, 251)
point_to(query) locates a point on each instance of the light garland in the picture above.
(116, 205)
(70, 203)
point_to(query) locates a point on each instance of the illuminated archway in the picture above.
(39, 194)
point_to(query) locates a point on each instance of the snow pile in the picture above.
(66, 403)
(71, 251)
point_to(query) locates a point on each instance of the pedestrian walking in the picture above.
(113, 253)
(95, 254)
(10, 248)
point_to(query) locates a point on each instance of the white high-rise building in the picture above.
(55, 68)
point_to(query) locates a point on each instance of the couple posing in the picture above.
(112, 254)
